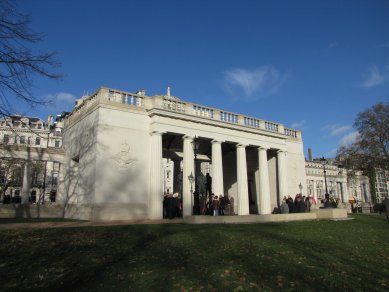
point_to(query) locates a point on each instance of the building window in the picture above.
(6, 139)
(37, 141)
(22, 140)
(57, 144)
(55, 166)
(39, 126)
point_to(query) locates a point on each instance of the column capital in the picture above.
(215, 141)
(280, 151)
(156, 133)
(188, 137)
(241, 145)
(263, 148)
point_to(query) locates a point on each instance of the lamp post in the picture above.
(324, 162)
(196, 196)
(301, 188)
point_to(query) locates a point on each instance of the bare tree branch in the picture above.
(19, 64)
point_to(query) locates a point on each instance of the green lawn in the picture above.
(314, 255)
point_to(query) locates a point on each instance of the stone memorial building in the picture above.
(115, 143)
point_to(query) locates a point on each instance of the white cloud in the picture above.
(61, 101)
(336, 129)
(349, 139)
(298, 125)
(333, 45)
(375, 77)
(261, 81)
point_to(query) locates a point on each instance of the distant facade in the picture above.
(167, 175)
(381, 184)
(30, 159)
(341, 187)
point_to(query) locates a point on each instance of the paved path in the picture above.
(30, 225)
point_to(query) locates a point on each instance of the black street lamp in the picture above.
(324, 162)
(196, 195)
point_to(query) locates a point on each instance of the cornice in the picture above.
(212, 122)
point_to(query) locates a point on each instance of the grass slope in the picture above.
(309, 256)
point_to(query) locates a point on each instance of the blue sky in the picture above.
(311, 65)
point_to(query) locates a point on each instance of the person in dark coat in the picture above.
(385, 203)
(170, 207)
(291, 206)
(300, 204)
(208, 185)
(224, 201)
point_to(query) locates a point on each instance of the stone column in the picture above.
(345, 192)
(61, 183)
(217, 168)
(314, 193)
(282, 175)
(188, 169)
(243, 193)
(156, 184)
(264, 184)
(26, 182)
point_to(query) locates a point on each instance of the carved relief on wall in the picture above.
(125, 158)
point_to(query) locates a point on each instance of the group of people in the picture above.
(172, 206)
(300, 204)
(209, 205)
(215, 205)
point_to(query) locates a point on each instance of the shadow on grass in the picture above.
(316, 255)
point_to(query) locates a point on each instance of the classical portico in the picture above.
(253, 161)
(229, 171)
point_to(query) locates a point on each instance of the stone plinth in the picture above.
(330, 213)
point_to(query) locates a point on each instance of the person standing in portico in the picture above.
(216, 205)
(208, 184)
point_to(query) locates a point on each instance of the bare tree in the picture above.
(19, 63)
(370, 150)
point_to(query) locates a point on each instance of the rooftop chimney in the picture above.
(50, 120)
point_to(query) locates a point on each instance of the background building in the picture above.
(30, 159)
(351, 190)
